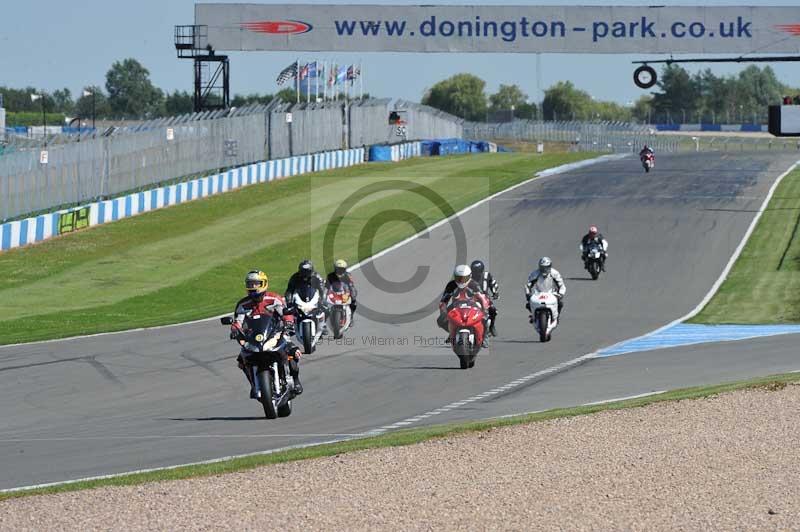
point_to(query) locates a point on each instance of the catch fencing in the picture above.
(582, 136)
(72, 169)
(622, 137)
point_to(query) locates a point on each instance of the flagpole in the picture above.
(297, 79)
(316, 89)
(360, 80)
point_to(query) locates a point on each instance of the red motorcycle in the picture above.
(648, 161)
(340, 316)
(465, 322)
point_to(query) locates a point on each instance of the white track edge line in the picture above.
(724, 275)
(543, 173)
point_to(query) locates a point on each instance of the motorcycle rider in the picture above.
(546, 279)
(462, 284)
(341, 275)
(488, 285)
(259, 301)
(646, 151)
(594, 236)
(306, 274)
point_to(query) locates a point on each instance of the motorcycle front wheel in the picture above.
(336, 322)
(308, 339)
(594, 269)
(542, 321)
(461, 348)
(265, 383)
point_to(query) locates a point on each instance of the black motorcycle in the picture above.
(594, 260)
(263, 346)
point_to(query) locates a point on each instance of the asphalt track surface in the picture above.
(109, 404)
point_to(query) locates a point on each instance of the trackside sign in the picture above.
(443, 28)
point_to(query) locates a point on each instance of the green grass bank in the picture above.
(187, 262)
(763, 286)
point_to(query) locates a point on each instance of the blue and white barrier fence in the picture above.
(38, 228)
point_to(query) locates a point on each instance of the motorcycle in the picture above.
(648, 161)
(340, 316)
(465, 321)
(262, 341)
(308, 317)
(594, 260)
(544, 313)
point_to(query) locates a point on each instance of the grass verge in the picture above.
(763, 286)
(404, 437)
(187, 262)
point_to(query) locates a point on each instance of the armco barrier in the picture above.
(38, 228)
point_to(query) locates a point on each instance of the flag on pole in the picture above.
(303, 72)
(35, 97)
(87, 93)
(341, 74)
(286, 74)
(334, 95)
(360, 83)
(353, 72)
(311, 72)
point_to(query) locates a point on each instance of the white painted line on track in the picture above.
(627, 397)
(169, 468)
(495, 391)
(544, 173)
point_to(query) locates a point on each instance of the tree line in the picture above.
(128, 94)
(681, 98)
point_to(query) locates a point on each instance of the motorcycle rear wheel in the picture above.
(285, 410)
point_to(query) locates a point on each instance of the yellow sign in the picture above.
(73, 220)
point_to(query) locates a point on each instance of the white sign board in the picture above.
(43, 157)
(170, 133)
(520, 28)
(288, 118)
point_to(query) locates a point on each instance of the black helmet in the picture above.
(305, 268)
(478, 267)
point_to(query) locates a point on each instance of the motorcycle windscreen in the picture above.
(262, 325)
(306, 292)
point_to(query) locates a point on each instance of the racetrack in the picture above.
(107, 404)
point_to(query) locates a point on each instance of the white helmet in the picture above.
(462, 275)
(544, 265)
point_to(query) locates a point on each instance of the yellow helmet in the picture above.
(340, 267)
(256, 282)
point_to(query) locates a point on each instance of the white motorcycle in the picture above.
(309, 318)
(544, 313)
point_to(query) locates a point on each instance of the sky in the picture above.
(50, 44)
